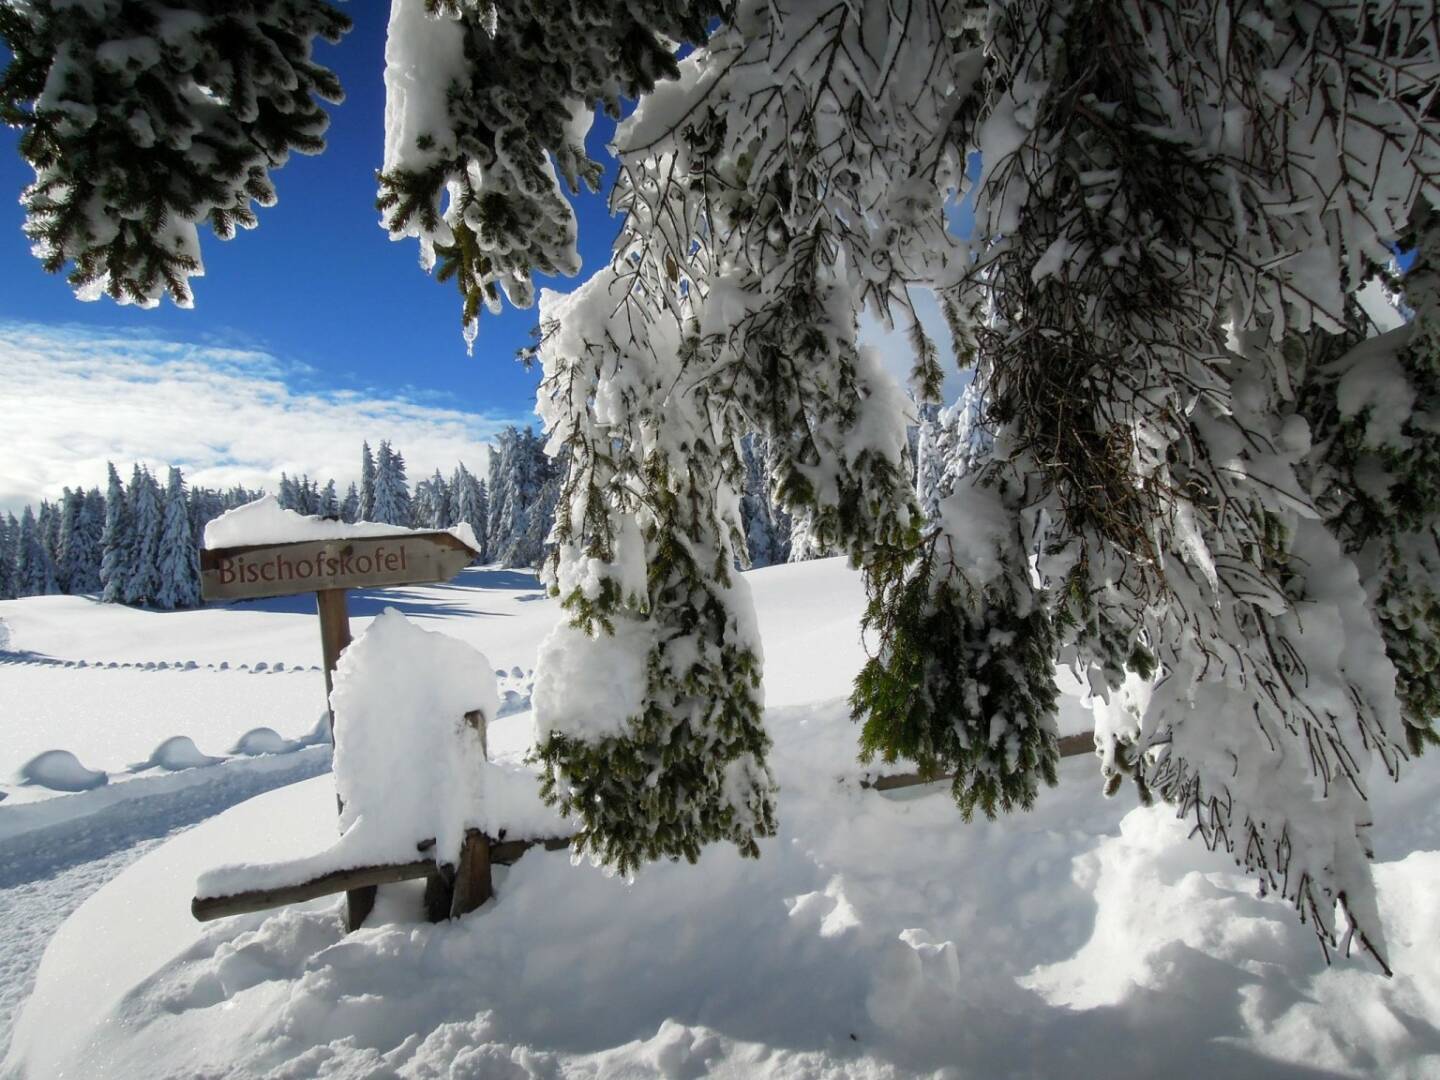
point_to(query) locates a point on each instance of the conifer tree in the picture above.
(49, 521)
(9, 556)
(392, 492)
(350, 507)
(442, 509)
(115, 541)
(34, 570)
(178, 555)
(470, 505)
(366, 508)
(71, 502)
(929, 461)
(142, 580)
(289, 494)
(90, 521)
(767, 527)
(144, 121)
(327, 505)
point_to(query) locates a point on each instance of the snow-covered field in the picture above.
(876, 936)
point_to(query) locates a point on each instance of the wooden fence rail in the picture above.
(501, 853)
(1070, 746)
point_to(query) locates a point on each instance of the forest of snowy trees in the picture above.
(137, 543)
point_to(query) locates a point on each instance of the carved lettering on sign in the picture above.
(315, 565)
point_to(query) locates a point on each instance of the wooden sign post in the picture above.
(329, 568)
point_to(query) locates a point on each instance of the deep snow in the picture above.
(877, 935)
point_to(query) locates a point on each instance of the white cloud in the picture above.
(73, 398)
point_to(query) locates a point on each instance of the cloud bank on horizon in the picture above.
(74, 398)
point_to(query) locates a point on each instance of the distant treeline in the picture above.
(133, 544)
(138, 543)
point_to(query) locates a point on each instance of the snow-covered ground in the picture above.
(876, 936)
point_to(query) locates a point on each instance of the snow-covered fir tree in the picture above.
(71, 503)
(114, 540)
(328, 503)
(521, 509)
(350, 506)
(85, 548)
(392, 492)
(471, 505)
(442, 509)
(366, 506)
(34, 569)
(142, 568)
(9, 556)
(766, 526)
(929, 461)
(286, 495)
(179, 555)
(120, 190)
(48, 521)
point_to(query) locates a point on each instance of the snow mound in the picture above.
(60, 770)
(265, 521)
(876, 936)
(264, 740)
(175, 754)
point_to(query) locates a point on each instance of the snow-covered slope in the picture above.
(876, 936)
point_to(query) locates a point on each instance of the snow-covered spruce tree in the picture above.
(1373, 451)
(1152, 228)
(9, 554)
(929, 461)
(71, 503)
(350, 506)
(766, 526)
(48, 522)
(115, 540)
(1162, 221)
(442, 510)
(328, 504)
(288, 495)
(366, 507)
(647, 535)
(470, 505)
(144, 120)
(142, 579)
(521, 509)
(34, 570)
(392, 491)
(179, 555)
(80, 541)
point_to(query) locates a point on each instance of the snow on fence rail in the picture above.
(455, 890)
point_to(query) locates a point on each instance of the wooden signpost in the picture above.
(329, 568)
